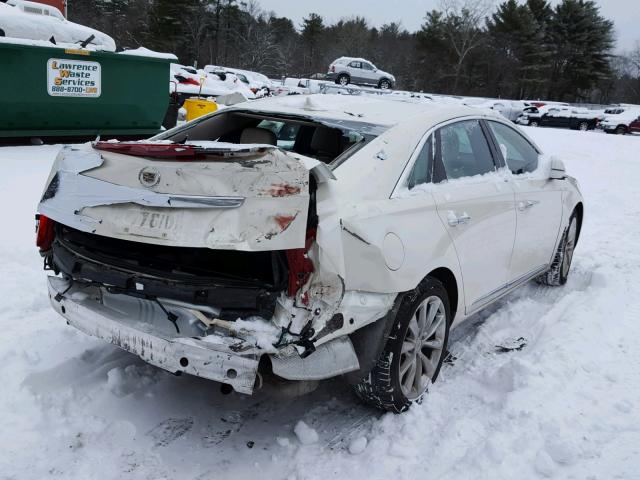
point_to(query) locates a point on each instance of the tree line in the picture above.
(519, 49)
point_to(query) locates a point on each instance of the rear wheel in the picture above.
(534, 123)
(343, 79)
(559, 272)
(414, 352)
(583, 126)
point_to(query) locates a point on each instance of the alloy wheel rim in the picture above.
(422, 347)
(343, 81)
(569, 249)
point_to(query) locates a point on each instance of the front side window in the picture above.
(367, 66)
(464, 150)
(422, 167)
(520, 155)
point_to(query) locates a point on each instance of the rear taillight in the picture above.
(300, 266)
(333, 69)
(45, 232)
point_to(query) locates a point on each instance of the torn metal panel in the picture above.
(254, 204)
(329, 360)
(140, 334)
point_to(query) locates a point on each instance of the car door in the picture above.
(476, 205)
(369, 73)
(355, 71)
(538, 203)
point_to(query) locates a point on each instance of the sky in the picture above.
(625, 13)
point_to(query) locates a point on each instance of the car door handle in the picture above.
(526, 205)
(455, 220)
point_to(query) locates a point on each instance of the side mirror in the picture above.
(558, 170)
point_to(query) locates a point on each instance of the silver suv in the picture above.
(346, 70)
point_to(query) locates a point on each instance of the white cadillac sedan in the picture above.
(305, 238)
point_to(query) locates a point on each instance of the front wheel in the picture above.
(559, 272)
(583, 126)
(621, 130)
(384, 84)
(533, 123)
(414, 352)
(343, 80)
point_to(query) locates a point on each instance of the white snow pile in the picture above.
(306, 435)
(559, 401)
(145, 52)
(36, 29)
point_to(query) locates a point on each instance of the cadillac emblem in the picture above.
(149, 177)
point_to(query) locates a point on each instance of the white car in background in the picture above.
(256, 82)
(35, 21)
(626, 121)
(510, 109)
(359, 71)
(305, 237)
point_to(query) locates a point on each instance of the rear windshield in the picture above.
(329, 141)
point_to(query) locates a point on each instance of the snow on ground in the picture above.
(564, 406)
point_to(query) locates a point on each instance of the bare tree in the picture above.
(464, 28)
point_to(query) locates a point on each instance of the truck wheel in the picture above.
(621, 130)
(343, 79)
(583, 126)
(559, 272)
(414, 351)
(384, 84)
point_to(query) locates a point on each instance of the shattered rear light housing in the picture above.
(153, 150)
(175, 151)
(45, 233)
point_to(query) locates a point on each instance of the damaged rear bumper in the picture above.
(214, 361)
(141, 327)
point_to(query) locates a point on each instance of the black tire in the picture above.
(621, 130)
(583, 126)
(2, 33)
(343, 79)
(381, 388)
(559, 272)
(534, 123)
(384, 84)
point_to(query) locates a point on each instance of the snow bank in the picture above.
(145, 52)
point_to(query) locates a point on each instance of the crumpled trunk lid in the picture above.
(234, 197)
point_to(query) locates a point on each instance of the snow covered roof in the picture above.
(348, 108)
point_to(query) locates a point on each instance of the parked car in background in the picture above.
(35, 21)
(256, 82)
(358, 71)
(305, 238)
(622, 123)
(510, 109)
(560, 117)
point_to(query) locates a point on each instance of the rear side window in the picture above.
(464, 150)
(421, 172)
(518, 153)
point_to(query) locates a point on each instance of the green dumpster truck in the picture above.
(49, 91)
